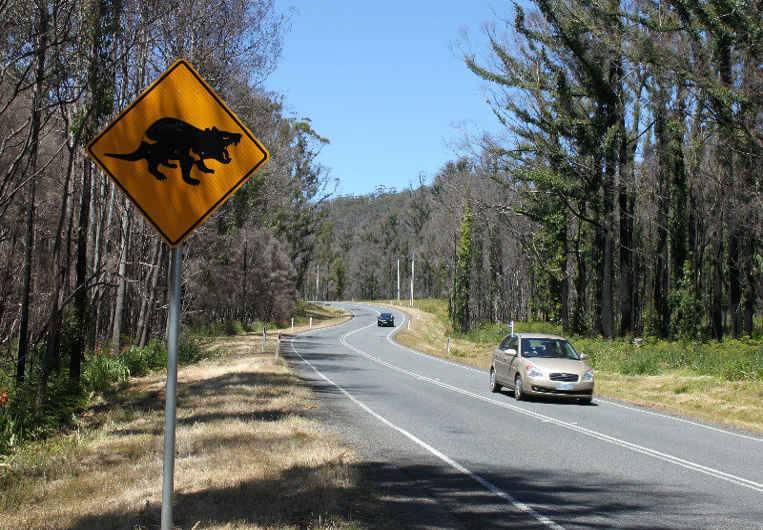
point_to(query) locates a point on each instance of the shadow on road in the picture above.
(393, 496)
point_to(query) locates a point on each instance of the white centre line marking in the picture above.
(716, 473)
(489, 486)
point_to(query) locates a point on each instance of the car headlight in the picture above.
(535, 372)
(588, 376)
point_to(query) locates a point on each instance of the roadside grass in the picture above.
(249, 455)
(304, 311)
(717, 382)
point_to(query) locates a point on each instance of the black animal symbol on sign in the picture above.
(176, 140)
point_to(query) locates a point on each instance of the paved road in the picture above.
(454, 455)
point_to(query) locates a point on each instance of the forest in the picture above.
(82, 274)
(623, 199)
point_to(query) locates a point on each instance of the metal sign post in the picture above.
(151, 151)
(170, 398)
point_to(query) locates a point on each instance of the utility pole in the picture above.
(398, 280)
(317, 282)
(413, 273)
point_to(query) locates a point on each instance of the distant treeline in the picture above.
(624, 197)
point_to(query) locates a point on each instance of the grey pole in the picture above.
(398, 280)
(173, 328)
(413, 274)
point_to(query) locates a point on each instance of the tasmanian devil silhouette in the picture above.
(177, 140)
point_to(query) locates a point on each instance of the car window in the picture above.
(552, 348)
(509, 342)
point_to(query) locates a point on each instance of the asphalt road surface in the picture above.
(448, 453)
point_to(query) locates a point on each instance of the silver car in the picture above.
(536, 364)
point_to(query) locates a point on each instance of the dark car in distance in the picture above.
(385, 319)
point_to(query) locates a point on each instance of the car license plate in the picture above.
(564, 386)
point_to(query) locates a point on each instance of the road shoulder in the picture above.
(251, 453)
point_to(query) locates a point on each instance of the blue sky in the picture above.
(385, 82)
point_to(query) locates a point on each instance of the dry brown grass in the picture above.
(733, 404)
(429, 334)
(249, 455)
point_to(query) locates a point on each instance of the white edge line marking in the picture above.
(716, 473)
(600, 399)
(681, 420)
(492, 488)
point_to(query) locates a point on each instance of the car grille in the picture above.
(543, 390)
(567, 378)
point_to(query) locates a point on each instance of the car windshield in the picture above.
(386, 315)
(553, 348)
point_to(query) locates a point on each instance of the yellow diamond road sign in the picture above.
(178, 152)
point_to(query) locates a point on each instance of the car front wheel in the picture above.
(518, 394)
(494, 386)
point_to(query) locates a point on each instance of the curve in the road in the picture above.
(459, 434)
(694, 466)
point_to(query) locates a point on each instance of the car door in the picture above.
(512, 359)
(500, 360)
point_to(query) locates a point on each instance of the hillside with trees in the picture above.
(627, 199)
(623, 197)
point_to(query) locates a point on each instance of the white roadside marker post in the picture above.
(311, 322)
(292, 323)
(170, 399)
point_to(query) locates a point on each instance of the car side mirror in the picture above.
(583, 356)
(511, 351)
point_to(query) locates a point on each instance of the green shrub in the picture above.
(233, 327)
(141, 360)
(8, 432)
(22, 417)
(641, 364)
(101, 371)
(191, 349)
(686, 308)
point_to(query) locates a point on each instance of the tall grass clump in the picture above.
(233, 327)
(140, 360)
(101, 371)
